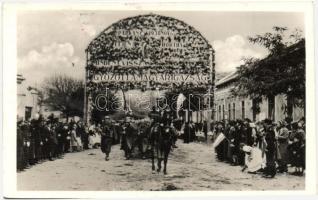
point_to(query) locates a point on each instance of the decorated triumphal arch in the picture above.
(146, 52)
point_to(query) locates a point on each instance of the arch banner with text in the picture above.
(147, 52)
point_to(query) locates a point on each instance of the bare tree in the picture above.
(65, 94)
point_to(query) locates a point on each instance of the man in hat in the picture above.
(270, 170)
(52, 141)
(248, 132)
(128, 136)
(61, 137)
(107, 136)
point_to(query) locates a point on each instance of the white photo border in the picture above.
(10, 11)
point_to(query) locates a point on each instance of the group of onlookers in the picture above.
(48, 139)
(264, 147)
(39, 140)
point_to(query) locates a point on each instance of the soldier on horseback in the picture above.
(167, 120)
(162, 137)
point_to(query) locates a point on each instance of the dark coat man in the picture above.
(83, 134)
(25, 128)
(249, 140)
(189, 132)
(36, 140)
(52, 142)
(45, 135)
(107, 135)
(20, 152)
(129, 135)
(270, 151)
(61, 138)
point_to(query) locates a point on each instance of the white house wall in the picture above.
(26, 98)
(223, 97)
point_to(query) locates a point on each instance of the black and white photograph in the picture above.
(160, 100)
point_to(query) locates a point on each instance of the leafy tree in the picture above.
(281, 72)
(65, 94)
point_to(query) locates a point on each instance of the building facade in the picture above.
(27, 100)
(232, 107)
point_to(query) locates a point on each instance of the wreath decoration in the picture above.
(153, 44)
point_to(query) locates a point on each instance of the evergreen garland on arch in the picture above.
(147, 48)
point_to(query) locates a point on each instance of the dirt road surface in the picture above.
(190, 167)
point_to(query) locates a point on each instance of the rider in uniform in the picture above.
(155, 116)
(167, 120)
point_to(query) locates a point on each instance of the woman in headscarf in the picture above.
(282, 142)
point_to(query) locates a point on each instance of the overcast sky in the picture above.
(49, 42)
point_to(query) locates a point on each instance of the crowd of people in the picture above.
(264, 147)
(43, 139)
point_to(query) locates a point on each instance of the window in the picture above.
(233, 111)
(290, 107)
(229, 111)
(243, 109)
(271, 107)
(254, 108)
(28, 112)
(219, 115)
(223, 112)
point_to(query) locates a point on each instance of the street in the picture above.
(190, 167)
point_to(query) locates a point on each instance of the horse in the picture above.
(161, 138)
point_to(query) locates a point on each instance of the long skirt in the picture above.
(79, 142)
(282, 155)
